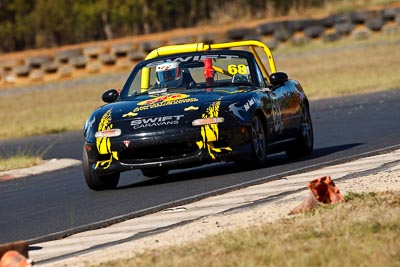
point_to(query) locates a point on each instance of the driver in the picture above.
(169, 74)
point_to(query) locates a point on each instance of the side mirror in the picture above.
(278, 78)
(110, 96)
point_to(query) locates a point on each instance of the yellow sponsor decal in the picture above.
(103, 144)
(130, 114)
(210, 132)
(165, 103)
(166, 98)
(191, 108)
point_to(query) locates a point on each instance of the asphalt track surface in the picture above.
(51, 205)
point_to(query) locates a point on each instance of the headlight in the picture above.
(108, 133)
(205, 121)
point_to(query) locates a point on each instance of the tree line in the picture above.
(50, 23)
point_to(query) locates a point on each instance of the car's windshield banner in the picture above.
(191, 59)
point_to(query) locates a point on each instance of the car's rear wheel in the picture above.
(258, 141)
(95, 181)
(304, 143)
(154, 172)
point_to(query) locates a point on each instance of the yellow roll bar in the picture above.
(197, 47)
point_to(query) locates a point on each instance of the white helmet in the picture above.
(169, 74)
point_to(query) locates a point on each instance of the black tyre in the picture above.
(282, 34)
(136, 55)
(148, 46)
(344, 28)
(154, 172)
(22, 70)
(314, 31)
(65, 55)
(258, 141)
(299, 24)
(267, 28)
(95, 181)
(326, 22)
(389, 14)
(375, 24)
(78, 62)
(238, 33)
(360, 17)
(121, 50)
(107, 59)
(304, 143)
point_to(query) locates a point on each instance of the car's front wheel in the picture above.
(154, 172)
(304, 143)
(95, 181)
(258, 141)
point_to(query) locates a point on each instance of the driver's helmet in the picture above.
(169, 74)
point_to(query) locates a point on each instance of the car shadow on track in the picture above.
(218, 169)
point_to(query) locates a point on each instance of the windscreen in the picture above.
(196, 71)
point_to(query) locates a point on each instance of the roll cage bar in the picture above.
(198, 47)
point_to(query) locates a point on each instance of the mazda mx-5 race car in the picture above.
(187, 105)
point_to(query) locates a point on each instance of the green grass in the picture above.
(363, 231)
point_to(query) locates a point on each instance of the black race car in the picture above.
(187, 105)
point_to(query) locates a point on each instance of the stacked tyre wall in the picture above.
(101, 57)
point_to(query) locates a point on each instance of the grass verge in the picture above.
(361, 232)
(345, 67)
(21, 158)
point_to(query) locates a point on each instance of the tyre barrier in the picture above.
(210, 38)
(375, 24)
(327, 22)
(239, 33)
(106, 56)
(300, 24)
(107, 59)
(344, 28)
(136, 55)
(360, 17)
(282, 34)
(79, 62)
(314, 31)
(183, 40)
(22, 70)
(267, 28)
(149, 46)
(63, 56)
(37, 62)
(390, 14)
(93, 52)
(121, 50)
(51, 67)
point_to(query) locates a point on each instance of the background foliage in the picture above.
(49, 23)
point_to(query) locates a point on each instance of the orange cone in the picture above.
(325, 190)
(13, 259)
(19, 246)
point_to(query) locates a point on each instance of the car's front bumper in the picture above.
(168, 151)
